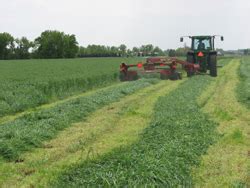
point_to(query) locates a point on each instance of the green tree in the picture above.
(147, 50)
(129, 53)
(143, 50)
(123, 49)
(6, 46)
(82, 51)
(246, 51)
(22, 48)
(55, 44)
(98, 51)
(171, 53)
(114, 51)
(136, 51)
(157, 51)
(70, 46)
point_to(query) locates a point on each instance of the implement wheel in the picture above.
(164, 76)
(128, 76)
(122, 77)
(190, 73)
(175, 76)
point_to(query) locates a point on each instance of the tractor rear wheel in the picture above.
(213, 65)
(190, 59)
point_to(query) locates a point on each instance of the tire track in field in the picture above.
(227, 162)
(115, 125)
(9, 118)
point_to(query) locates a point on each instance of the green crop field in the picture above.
(29, 83)
(71, 123)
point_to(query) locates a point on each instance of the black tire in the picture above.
(174, 76)
(122, 77)
(180, 75)
(190, 59)
(135, 77)
(131, 76)
(213, 65)
(163, 77)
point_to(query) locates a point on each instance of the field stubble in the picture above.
(227, 162)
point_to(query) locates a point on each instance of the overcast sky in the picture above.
(132, 22)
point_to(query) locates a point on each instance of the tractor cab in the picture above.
(203, 54)
(202, 44)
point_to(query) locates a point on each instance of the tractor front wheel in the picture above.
(213, 65)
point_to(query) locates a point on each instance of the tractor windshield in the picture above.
(202, 44)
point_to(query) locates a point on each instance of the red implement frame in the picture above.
(165, 66)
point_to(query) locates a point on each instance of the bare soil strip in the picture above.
(227, 162)
(116, 125)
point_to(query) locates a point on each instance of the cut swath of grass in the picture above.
(165, 152)
(13, 117)
(30, 130)
(108, 128)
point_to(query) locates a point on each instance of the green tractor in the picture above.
(203, 53)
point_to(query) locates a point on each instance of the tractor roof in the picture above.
(202, 37)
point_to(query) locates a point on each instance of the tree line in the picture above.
(246, 52)
(120, 51)
(56, 44)
(50, 44)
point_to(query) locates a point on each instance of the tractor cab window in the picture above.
(202, 44)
